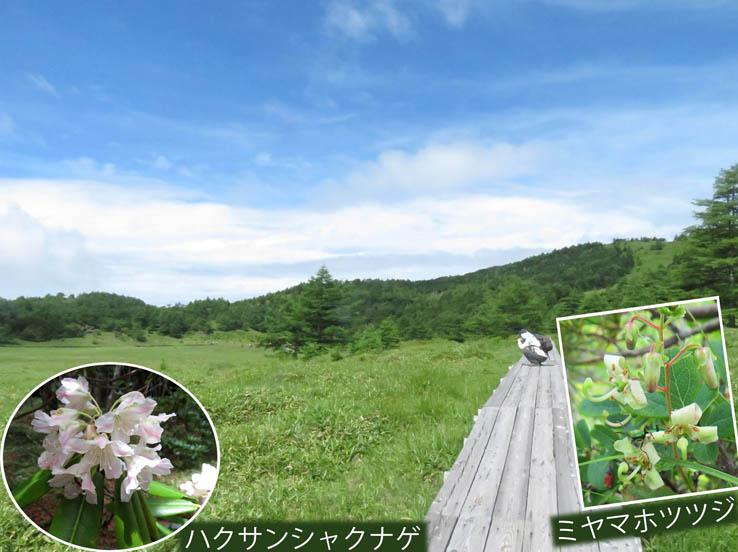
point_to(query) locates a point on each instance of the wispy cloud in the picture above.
(162, 163)
(445, 167)
(363, 22)
(456, 12)
(297, 116)
(164, 246)
(7, 126)
(615, 5)
(40, 82)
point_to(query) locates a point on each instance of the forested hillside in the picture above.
(370, 314)
(492, 301)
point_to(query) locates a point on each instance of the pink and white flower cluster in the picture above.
(113, 443)
(200, 485)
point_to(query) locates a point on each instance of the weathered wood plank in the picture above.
(508, 518)
(499, 394)
(530, 387)
(543, 398)
(541, 499)
(558, 387)
(516, 469)
(470, 532)
(567, 491)
(444, 511)
(512, 399)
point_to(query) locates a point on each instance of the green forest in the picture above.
(327, 314)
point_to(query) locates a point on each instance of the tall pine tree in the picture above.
(710, 259)
(319, 300)
(305, 317)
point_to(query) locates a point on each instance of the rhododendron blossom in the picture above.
(201, 483)
(112, 443)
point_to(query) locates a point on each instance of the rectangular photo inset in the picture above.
(651, 405)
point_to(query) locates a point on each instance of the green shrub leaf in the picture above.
(165, 491)
(684, 380)
(162, 507)
(596, 473)
(666, 462)
(77, 521)
(720, 415)
(705, 453)
(33, 488)
(127, 531)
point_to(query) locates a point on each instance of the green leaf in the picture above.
(684, 380)
(165, 491)
(604, 436)
(705, 453)
(163, 529)
(666, 462)
(596, 473)
(143, 527)
(162, 507)
(656, 407)
(720, 415)
(33, 488)
(705, 396)
(148, 517)
(592, 408)
(175, 519)
(581, 435)
(77, 521)
(127, 532)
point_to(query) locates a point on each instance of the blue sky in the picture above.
(173, 152)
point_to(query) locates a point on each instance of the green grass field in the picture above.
(366, 437)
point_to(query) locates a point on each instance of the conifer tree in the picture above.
(710, 259)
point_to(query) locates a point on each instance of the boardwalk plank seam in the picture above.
(480, 506)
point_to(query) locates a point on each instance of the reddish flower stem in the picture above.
(642, 319)
(680, 353)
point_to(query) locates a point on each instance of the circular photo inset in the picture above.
(110, 456)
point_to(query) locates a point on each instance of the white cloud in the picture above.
(40, 82)
(446, 167)
(36, 259)
(162, 163)
(456, 12)
(362, 23)
(166, 247)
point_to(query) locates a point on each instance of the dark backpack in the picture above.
(546, 343)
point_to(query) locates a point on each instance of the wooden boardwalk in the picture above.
(516, 469)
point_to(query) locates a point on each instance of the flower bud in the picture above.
(631, 335)
(703, 355)
(653, 363)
